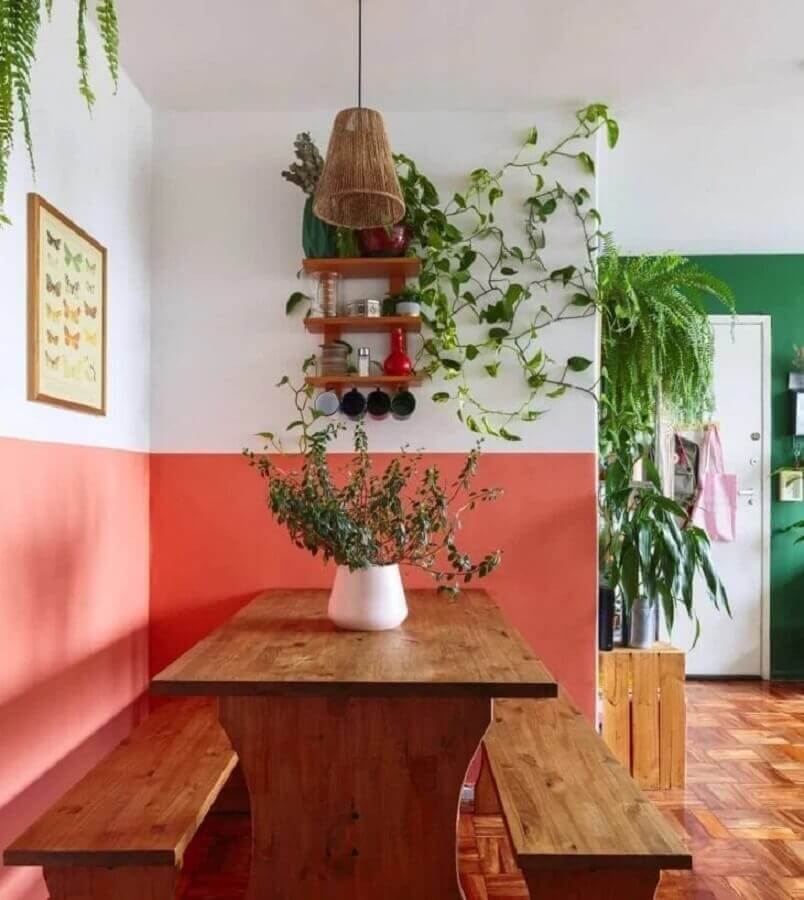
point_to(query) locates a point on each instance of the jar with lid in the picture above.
(327, 297)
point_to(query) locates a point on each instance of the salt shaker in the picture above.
(363, 360)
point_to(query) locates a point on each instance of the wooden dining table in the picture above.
(355, 745)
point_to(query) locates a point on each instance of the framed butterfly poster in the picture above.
(66, 312)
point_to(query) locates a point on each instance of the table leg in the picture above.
(354, 799)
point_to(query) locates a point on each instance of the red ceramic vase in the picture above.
(398, 362)
(392, 241)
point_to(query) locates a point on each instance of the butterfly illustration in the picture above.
(89, 370)
(72, 259)
(53, 314)
(53, 242)
(53, 287)
(72, 340)
(90, 287)
(52, 338)
(91, 311)
(71, 313)
(91, 337)
(92, 267)
(72, 286)
(72, 371)
(52, 361)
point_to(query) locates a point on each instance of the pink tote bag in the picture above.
(715, 507)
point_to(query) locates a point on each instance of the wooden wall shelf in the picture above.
(362, 324)
(339, 381)
(367, 267)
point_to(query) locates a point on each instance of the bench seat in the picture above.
(121, 832)
(579, 825)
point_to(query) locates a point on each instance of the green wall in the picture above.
(774, 286)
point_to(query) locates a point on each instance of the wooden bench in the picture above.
(579, 825)
(121, 832)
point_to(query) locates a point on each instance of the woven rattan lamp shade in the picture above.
(359, 187)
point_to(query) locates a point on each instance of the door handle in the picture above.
(748, 493)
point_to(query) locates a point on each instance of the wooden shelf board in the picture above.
(366, 380)
(367, 267)
(364, 324)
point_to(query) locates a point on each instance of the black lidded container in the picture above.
(605, 617)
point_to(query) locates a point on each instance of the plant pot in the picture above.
(605, 618)
(392, 241)
(370, 599)
(407, 308)
(318, 238)
(642, 624)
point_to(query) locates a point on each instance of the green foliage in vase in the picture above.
(20, 21)
(360, 517)
(798, 359)
(656, 340)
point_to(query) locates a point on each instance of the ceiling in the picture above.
(459, 54)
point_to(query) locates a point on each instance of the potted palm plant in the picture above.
(650, 554)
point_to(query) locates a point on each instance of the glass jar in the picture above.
(328, 291)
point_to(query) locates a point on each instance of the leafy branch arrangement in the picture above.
(360, 518)
(20, 21)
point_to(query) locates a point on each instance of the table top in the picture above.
(282, 643)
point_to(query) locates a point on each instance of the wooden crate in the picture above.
(644, 713)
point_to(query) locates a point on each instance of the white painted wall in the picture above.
(98, 172)
(227, 246)
(717, 171)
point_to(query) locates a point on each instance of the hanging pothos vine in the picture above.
(481, 293)
(20, 21)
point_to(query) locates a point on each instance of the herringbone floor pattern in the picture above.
(742, 812)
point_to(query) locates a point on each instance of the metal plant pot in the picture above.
(643, 623)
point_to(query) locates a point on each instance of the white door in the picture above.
(738, 646)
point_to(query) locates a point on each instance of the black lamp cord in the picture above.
(359, 53)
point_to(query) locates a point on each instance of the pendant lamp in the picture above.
(359, 187)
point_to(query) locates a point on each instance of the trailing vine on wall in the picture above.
(20, 21)
(474, 275)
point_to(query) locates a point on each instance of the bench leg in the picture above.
(123, 883)
(604, 884)
(487, 801)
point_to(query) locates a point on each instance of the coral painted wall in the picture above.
(74, 613)
(215, 546)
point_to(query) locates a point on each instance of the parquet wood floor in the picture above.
(742, 811)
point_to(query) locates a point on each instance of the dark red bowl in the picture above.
(392, 241)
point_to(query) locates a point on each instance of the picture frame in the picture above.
(67, 312)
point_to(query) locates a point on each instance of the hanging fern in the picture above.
(19, 30)
(656, 338)
(106, 14)
(19, 26)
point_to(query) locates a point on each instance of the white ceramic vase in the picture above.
(370, 599)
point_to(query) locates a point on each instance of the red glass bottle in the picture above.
(398, 362)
